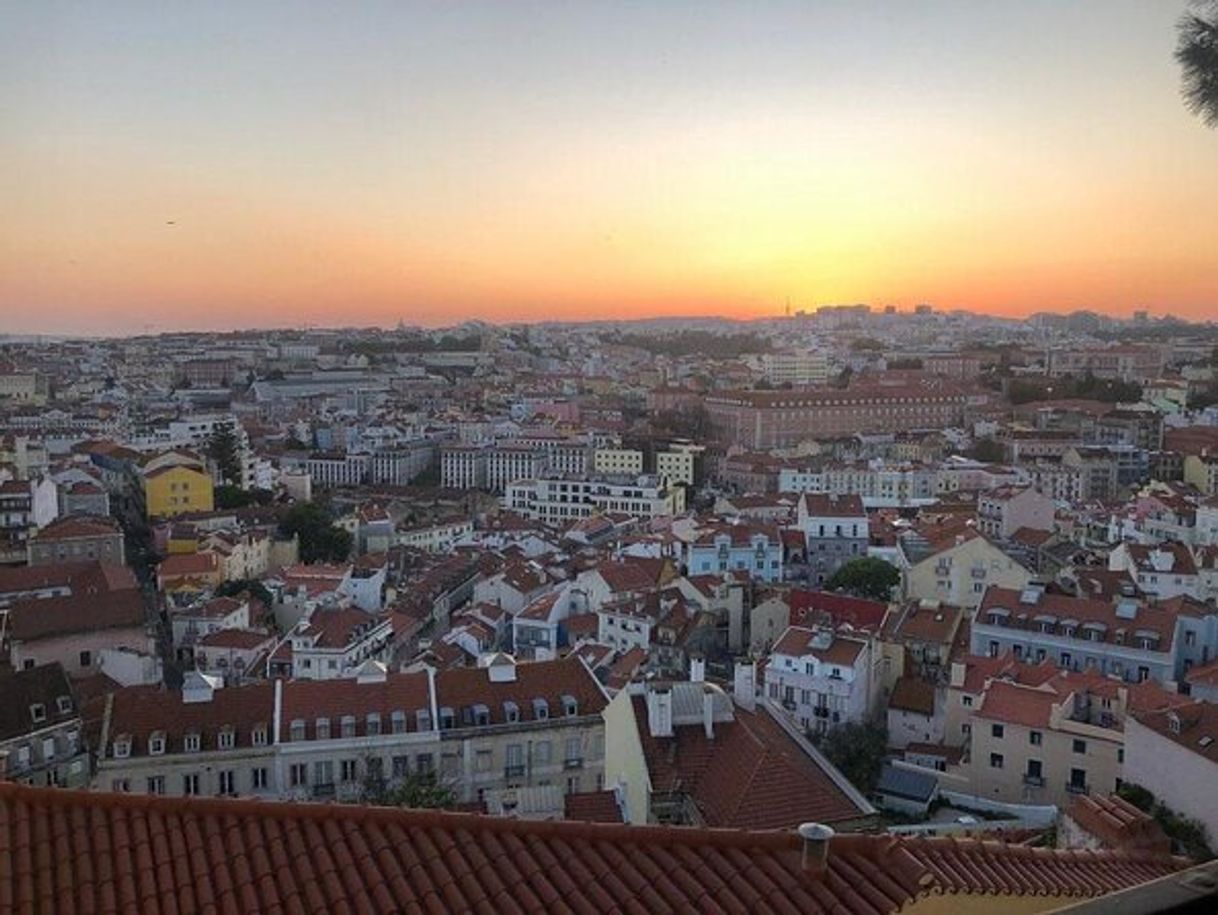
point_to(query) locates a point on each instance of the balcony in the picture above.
(573, 763)
(788, 704)
(324, 790)
(1074, 788)
(513, 771)
(1036, 781)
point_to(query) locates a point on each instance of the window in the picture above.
(1080, 746)
(997, 730)
(513, 761)
(298, 775)
(64, 704)
(298, 729)
(424, 764)
(155, 784)
(574, 757)
(86, 659)
(373, 725)
(995, 760)
(190, 783)
(347, 726)
(259, 778)
(483, 759)
(966, 701)
(258, 736)
(542, 753)
(156, 743)
(349, 770)
(228, 782)
(401, 766)
(1121, 755)
(120, 784)
(1036, 738)
(38, 712)
(122, 747)
(191, 742)
(227, 738)
(397, 722)
(511, 712)
(323, 773)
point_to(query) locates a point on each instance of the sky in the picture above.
(261, 164)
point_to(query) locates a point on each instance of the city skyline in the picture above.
(537, 163)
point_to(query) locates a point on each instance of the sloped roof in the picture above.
(96, 851)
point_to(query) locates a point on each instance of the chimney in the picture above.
(697, 668)
(816, 837)
(659, 711)
(744, 685)
(708, 711)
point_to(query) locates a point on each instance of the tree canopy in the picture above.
(867, 577)
(224, 451)
(858, 750)
(320, 539)
(1197, 54)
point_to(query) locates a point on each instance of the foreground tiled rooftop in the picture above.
(72, 851)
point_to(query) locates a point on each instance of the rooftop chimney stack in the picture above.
(659, 711)
(744, 685)
(697, 668)
(816, 838)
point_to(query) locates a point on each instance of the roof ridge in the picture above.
(714, 837)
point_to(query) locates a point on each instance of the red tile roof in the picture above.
(88, 851)
(309, 700)
(461, 688)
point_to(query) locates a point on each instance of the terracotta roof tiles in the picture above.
(89, 851)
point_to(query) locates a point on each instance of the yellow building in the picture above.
(174, 488)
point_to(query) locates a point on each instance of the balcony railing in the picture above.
(1073, 788)
(1037, 781)
(573, 763)
(324, 790)
(513, 771)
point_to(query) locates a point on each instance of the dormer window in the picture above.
(347, 726)
(191, 742)
(227, 738)
(373, 724)
(156, 743)
(1173, 722)
(397, 722)
(482, 715)
(64, 704)
(569, 706)
(511, 712)
(122, 746)
(298, 729)
(321, 728)
(423, 719)
(38, 712)
(541, 709)
(258, 736)
(448, 719)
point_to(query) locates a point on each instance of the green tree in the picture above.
(320, 539)
(1188, 834)
(414, 790)
(987, 451)
(858, 750)
(1197, 54)
(867, 577)
(225, 452)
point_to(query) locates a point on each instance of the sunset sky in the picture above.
(214, 165)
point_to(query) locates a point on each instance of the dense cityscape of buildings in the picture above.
(655, 574)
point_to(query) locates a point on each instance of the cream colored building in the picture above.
(677, 465)
(617, 460)
(960, 573)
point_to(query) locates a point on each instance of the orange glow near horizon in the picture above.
(129, 210)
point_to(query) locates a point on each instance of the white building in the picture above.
(558, 499)
(820, 677)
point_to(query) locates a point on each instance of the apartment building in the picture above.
(506, 726)
(464, 466)
(877, 482)
(1126, 639)
(751, 547)
(960, 572)
(1163, 570)
(617, 461)
(1201, 470)
(799, 368)
(1003, 511)
(510, 462)
(678, 464)
(763, 420)
(835, 530)
(78, 538)
(1046, 743)
(333, 642)
(821, 677)
(41, 729)
(1174, 754)
(199, 740)
(554, 500)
